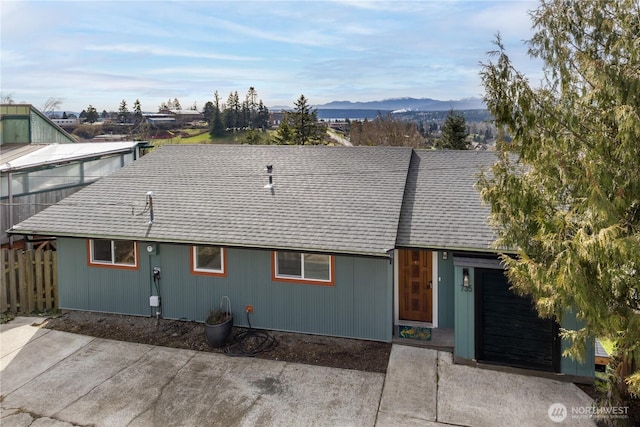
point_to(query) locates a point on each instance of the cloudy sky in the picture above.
(99, 53)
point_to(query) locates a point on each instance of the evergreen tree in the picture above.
(252, 136)
(487, 134)
(207, 112)
(304, 122)
(252, 107)
(285, 135)
(454, 132)
(232, 112)
(565, 193)
(137, 112)
(262, 121)
(123, 112)
(217, 127)
(91, 114)
(245, 115)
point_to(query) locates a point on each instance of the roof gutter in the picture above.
(487, 250)
(59, 162)
(24, 232)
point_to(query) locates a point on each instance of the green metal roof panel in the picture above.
(24, 124)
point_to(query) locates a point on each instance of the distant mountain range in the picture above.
(369, 109)
(413, 104)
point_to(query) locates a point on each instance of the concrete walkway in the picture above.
(424, 388)
(52, 378)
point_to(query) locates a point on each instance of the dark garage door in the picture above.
(508, 329)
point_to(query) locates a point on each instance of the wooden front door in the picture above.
(415, 285)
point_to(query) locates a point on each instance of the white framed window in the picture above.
(208, 260)
(113, 253)
(302, 267)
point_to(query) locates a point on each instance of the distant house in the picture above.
(41, 164)
(358, 242)
(155, 118)
(71, 121)
(275, 118)
(183, 116)
(110, 137)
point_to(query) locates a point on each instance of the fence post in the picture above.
(13, 285)
(37, 265)
(47, 279)
(31, 280)
(54, 270)
(4, 281)
(23, 288)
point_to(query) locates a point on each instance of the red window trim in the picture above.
(195, 272)
(91, 263)
(332, 271)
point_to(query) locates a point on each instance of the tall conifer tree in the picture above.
(565, 193)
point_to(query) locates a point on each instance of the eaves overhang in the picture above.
(17, 230)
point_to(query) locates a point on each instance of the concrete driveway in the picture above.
(52, 378)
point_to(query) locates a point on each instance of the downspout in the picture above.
(10, 213)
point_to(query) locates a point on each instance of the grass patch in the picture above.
(198, 138)
(202, 136)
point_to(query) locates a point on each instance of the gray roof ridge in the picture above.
(404, 192)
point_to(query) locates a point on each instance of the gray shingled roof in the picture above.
(441, 207)
(333, 199)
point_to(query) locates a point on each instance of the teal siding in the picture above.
(446, 305)
(73, 276)
(573, 367)
(358, 306)
(84, 287)
(465, 330)
(464, 338)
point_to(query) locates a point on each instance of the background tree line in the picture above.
(249, 119)
(235, 115)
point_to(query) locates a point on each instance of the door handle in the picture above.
(429, 285)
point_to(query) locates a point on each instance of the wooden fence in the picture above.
(29, 281)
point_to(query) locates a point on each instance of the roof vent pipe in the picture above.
(269, 171)
(150, 203)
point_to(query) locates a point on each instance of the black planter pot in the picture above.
(218, 334)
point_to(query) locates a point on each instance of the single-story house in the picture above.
(155, 118)
(358, 242)
(183, 116)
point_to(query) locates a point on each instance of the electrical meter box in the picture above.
(154, 301)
